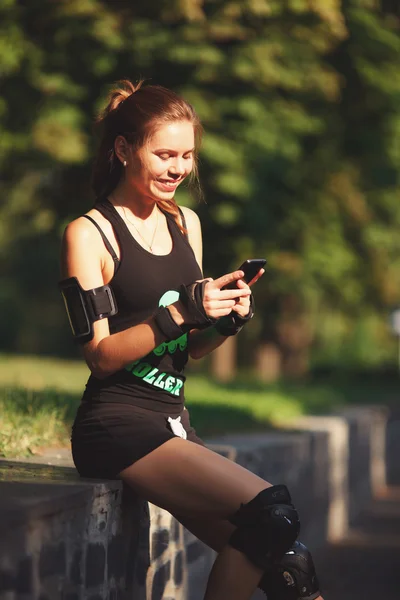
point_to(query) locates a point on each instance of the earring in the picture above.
(124, 163)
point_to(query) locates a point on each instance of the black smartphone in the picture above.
(250, 268)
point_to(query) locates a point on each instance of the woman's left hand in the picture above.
(242, 305)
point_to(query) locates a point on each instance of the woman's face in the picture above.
(164, 161)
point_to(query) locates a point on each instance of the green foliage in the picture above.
(39, 399)
(300, 162)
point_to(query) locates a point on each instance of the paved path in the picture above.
(366, 565)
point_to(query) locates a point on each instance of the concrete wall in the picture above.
(64, 538)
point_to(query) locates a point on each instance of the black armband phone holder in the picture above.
(231, 324)
(84, 307)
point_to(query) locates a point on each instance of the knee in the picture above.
(267, 526)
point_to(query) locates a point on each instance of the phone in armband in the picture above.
(250, 268)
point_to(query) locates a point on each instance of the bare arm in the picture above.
(84, 257)
(200, 342)
(203, 342)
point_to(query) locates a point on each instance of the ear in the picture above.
(121, 148)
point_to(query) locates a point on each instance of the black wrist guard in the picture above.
(166, 324)
(191, 297)
(231, 324)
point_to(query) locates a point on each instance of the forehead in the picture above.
(178, 135)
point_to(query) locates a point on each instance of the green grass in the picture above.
(39, 398)
(38, 401)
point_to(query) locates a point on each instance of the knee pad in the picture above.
(293, 577)
(267, 526)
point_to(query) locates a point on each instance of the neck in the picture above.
(127, 197)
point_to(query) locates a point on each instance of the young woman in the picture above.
(137, 300)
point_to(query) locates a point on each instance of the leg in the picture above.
(191, 480)
(215, 533)
(293, 578)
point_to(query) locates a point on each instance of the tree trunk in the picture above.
(268, 362)
(223, 360)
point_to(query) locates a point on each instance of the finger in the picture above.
(241, 284)
(242, 311)
(257, 277)
(217, 314)
(227, 279)
(220, 304)
(233, 294)
(244, 301)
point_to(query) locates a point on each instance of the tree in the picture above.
(300, 160)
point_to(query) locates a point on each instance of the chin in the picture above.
(164, 195)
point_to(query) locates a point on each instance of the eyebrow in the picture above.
(161, 150)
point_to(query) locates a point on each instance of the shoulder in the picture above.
(79, 231)
(194, 233)
(82, 253)
(82, 233)
(83, 229)
(192, 220)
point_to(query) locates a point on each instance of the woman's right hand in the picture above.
(215, 301)
(219, 302)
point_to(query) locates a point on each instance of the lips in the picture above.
(168, 184)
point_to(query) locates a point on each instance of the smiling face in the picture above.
(156, 169)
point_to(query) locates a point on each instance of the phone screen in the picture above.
(250, 268)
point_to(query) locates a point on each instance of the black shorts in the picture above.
(108, 437)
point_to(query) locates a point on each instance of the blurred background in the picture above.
(300, 100)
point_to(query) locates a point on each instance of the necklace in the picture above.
(150, 246)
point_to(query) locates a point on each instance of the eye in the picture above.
(164, 156)
(188, 156)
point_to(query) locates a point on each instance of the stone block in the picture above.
(116, 558)
(52, 560)
(75, 573)
(76, 539)
(7, 580)
(336, 430)
(24, 576)
(160, 579)
(95, 565)
(159, 543)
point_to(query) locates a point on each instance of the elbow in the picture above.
(98, 370)
(98, 364)
(101, 369)
(98, 373)
(197, 353)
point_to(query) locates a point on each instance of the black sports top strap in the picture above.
(183, 222)
(106, 242)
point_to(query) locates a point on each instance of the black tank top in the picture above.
(141, 283)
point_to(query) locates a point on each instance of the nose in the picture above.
(177, 169)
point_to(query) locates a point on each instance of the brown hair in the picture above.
(134, 111)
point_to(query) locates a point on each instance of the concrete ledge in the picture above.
(330, 485)
(66, 538)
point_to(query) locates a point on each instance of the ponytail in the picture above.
(107, 168)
